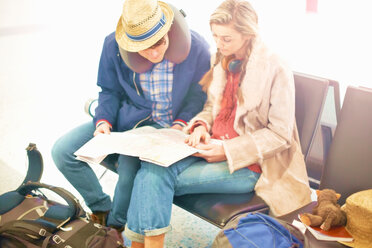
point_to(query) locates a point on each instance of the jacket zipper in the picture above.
(135, 126)
(134, 82)
(135, 85)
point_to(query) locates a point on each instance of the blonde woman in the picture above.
(251, 109)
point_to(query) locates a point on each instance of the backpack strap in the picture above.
(28, 230)
(6, 240)
(35, 164)
(73, 203)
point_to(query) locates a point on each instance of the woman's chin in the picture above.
(225, 53)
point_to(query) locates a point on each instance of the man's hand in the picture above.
(102, 128)
(211, 152)
(199, 134)
(177, 126)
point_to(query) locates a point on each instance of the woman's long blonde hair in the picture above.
(244, 19)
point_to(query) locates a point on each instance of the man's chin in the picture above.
(156, 60)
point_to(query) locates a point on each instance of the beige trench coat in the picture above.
(267, 129)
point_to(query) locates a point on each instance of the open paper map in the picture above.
(160, 146)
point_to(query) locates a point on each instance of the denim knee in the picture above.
(60, 154)
(172, 171)
(152, 169)
(64, 148)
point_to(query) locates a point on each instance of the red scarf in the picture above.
(223, 126)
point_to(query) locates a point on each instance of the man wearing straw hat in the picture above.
(148, 72)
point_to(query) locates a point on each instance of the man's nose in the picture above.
(154, 53)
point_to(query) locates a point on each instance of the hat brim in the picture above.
(134, 46)
(356, 244)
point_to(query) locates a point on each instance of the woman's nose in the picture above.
(219, 43)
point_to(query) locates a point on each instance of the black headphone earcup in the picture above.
(230, 64)
(234, 66)
(225, 62)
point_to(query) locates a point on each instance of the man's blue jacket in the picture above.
(121, 101)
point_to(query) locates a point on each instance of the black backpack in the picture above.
(29, 219)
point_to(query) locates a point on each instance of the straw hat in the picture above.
(358, 210)
(142, 24)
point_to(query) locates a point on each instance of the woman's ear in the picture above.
(248, 38)
(338, 196)
(317, 192)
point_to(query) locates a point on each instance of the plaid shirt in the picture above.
(157, 86)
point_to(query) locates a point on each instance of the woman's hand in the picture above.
(102, 128)
(199, 134)
(211, 152)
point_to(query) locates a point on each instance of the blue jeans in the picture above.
(150, 207)
(85, 181)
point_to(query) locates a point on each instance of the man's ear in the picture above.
(317, 192)
(338, 196)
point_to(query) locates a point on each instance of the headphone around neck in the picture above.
(231, 64)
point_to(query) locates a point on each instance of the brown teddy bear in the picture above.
(327, 212)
